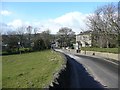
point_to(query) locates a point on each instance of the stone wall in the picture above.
(99, 54)
(102, 54)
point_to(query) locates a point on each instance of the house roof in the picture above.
(85, 32)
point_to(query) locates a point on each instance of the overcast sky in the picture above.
(47, 15)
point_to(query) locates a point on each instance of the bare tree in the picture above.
(104, 23)
(21, 32)
(35, 31)
(29, 31)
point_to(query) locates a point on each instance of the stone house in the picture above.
(84, 39)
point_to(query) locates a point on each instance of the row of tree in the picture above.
(24, 38)
(105, 26)
(29, 38)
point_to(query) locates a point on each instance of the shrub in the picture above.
(39, 44)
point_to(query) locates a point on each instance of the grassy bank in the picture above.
(109, 50)
(30, 70)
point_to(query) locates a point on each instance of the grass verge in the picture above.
(30, 70)
(108, 50)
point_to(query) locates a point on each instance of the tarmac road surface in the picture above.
(91, 72)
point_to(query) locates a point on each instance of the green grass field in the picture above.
(109, 50)
(31, 70)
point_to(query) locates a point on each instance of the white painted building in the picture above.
(84, 39)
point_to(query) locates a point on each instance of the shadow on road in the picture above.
(79, 77)
(76, 76)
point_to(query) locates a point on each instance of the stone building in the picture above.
(84, 39)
